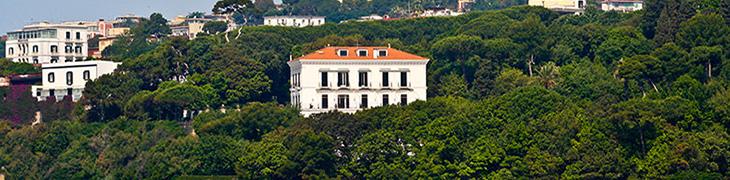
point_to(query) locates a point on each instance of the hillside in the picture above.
(516, 93)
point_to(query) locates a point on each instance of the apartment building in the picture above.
(45, 43)
(349, 79)
(294, 21)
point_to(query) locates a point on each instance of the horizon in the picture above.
(35, 11)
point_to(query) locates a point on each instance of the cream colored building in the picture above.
(566, 6)
(44, 43)
(348, 79)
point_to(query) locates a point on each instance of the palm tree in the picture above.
(548, 75)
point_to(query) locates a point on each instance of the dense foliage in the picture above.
(516, 93)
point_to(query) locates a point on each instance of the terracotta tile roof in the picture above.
(331, 53)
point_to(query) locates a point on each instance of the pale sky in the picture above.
(16, 13)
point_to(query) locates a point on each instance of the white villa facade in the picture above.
(69, 79)
(294, 21)
(563, 6)
(46, 43)
(622, 5)
(349, 79)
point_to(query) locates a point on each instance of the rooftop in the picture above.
(331, 53)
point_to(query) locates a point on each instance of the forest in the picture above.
(516, 93)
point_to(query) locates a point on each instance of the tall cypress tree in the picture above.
(652, 10)
(674, 13)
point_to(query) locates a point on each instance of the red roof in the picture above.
(331, 53)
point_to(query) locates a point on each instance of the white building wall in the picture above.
(59, 83)
(308, 96)
(19, 47)
(294, 21)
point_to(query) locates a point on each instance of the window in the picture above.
(325, 101)
(35, 60)
(324, 79)
(54, 60)
(403, 79)
(87, 75)
(54, 49)
(38, 92)
(385, 79)
(78, 35)
(342, 52)
(68, 35)
(364, 101)
(77, 49)
(68, 49)
(51, 77)
(362, 53)
(70, 92)
(69, 78)
(363, 79)
(383, 53)
(11, 51)
(343, 79)
(52, 92)
(385, 100)
(403, 99)
(35, 49)
(343, 101)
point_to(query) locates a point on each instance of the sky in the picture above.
(16, 13)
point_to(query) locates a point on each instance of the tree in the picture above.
(107, 95)
(703, 30)
(673, 13)
(708, 56)
(456, 52)
(215, 27)
(549, 75)
(485, 77)
(196, 14)
(242, 7)
(641, 68)
(510, 79)
(531, 33)
(453, 85)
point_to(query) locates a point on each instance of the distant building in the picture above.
(563, 6)
(373, 17)
(190, 27)
(464, 5)
(294, 21)
(438, 11)
(69, 79)
(45, 43)
(622, 5)
(349, 79)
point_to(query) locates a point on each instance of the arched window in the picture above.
(69, 78)
(87, 75)
(11, 51)
(54, 60)
(51, 77)
(35, 48)
(68, 49)
(35, 60)
(77, 49)
(54, 49)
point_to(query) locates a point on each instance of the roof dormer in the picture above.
(362, 52)
(342, 52)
